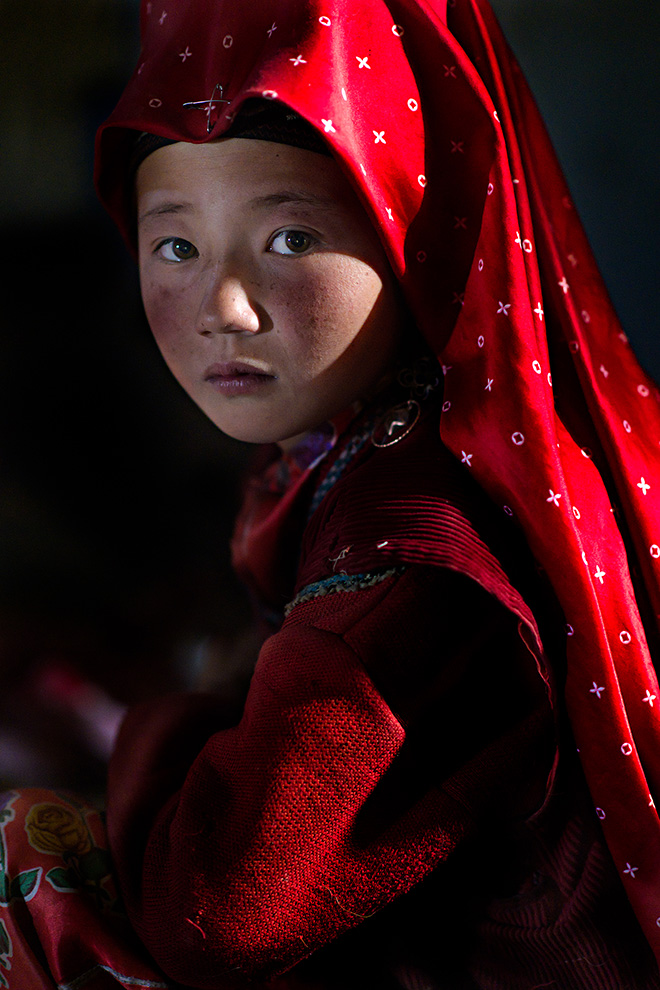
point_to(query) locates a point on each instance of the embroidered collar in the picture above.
(292, 465)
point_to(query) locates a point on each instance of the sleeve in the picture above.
(242, 848)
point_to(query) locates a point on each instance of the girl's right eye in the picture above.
(176, 249)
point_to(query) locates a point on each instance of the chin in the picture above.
(246, 433)
(250, 425)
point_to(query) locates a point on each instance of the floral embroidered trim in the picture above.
(341, 582)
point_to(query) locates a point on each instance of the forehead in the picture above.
(234, 169)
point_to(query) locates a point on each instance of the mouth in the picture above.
(237, 377)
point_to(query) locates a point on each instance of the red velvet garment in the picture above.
(353, 772)
(370, 809)
(544, 403)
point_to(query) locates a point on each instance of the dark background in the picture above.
(116, 495)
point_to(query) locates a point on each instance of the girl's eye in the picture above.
(177, 249)
(291, 242)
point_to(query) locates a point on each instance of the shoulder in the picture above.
(412, 504)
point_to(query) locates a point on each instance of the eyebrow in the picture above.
(285, 197)
(290, 197)
(165, 209)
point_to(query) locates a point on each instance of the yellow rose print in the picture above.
(56, 829)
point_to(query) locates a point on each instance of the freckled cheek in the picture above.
(168, 314)
(310, 333)
(325, 318)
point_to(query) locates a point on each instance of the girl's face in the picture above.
(266, 287)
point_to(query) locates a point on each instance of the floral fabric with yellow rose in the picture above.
(56, 878)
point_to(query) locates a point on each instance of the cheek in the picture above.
(330, 312)
(367, 297)
(166, 313)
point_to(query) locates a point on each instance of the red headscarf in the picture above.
(427, 113)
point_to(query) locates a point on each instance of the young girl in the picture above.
(356, 247)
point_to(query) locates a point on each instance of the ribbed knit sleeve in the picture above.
(242, 848)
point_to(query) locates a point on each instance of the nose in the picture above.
(227, 307)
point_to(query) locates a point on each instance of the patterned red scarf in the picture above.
(544, 402)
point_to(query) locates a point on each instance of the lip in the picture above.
(237, 377)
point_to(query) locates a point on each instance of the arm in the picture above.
(320, 806)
